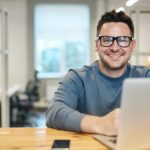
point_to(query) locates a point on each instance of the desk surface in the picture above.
(42, 139)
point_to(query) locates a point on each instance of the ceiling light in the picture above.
(130, 2)
(120, 9)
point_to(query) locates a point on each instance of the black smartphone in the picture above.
(61, 145)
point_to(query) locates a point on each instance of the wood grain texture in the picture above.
(42, 139)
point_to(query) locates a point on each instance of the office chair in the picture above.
(21, 104)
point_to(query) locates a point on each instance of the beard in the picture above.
(113, 68)
(108, 66)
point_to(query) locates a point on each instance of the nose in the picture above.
(115, 46)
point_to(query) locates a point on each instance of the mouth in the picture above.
(114, 56)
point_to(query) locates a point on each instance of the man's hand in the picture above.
(107, 125)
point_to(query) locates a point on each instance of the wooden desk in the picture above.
(42, 139)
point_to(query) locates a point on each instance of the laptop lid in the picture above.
(134, 127)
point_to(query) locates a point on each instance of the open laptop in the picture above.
(134, 127)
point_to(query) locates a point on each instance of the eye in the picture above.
(107, 39)
(123, 39)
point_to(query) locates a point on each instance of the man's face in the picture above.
(114, 57)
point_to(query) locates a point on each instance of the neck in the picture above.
(114, 73)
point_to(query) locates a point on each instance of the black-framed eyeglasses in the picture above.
(122, 41)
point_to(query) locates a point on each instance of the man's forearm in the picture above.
(62, 117)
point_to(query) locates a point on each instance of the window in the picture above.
(61, 38)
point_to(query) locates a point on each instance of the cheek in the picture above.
(100, 48)
(126, 52)
(129, 49)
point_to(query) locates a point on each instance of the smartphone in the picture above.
(61, 145)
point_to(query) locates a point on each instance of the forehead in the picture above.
(115, 29)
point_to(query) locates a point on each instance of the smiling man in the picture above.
(88, 99)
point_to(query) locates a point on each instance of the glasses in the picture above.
(122, 41)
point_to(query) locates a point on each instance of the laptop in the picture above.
(134, 126)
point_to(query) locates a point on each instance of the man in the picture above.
(88, 99)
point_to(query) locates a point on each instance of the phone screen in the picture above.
(61, 145)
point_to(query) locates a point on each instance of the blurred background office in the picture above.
(41, 39)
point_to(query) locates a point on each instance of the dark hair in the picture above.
(113, 16)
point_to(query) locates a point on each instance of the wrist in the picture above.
(91, 124)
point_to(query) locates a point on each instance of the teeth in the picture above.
(114, 57)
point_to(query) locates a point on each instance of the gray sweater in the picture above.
(87, 91)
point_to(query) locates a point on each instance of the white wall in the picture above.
(17, 41)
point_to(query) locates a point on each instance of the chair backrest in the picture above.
(32, 88)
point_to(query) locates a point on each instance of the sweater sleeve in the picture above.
(62, 113)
